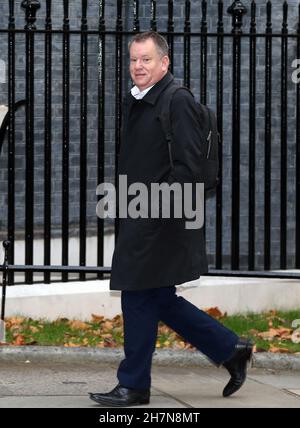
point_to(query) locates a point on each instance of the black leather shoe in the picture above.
(237, 366)
(122, 397)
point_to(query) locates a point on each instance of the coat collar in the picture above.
(152, 96)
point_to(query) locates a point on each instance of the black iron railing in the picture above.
(117, 36)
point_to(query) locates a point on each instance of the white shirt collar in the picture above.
(136, 93)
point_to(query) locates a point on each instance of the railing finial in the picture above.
(237, 10)
(31, 7)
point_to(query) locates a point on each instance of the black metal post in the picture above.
(101, 128)
(283, 137)
(83, 138)
(118, 97)
(187, 45)
(136, 20)
(203, 54)
(252, 132)
(219, 198)
(170, 36)
(298, 155)
(153, 23)
(48, 134)
(203, 69)
(6, 245)
(65, 137)
(11, 138)
(31, 7)
(237, 10)
(268, 136)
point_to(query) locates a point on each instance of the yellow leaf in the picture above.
(15, 321)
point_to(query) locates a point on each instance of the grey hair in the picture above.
(159, 41)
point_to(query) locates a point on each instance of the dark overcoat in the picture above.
(157, 252)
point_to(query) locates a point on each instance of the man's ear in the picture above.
(165, 62)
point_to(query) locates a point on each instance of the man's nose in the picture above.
(138, 63)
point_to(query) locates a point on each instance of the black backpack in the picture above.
(210, 138)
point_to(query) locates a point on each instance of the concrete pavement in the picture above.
(56, 385)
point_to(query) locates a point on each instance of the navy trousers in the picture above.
(142, 310)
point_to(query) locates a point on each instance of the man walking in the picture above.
(152, 255)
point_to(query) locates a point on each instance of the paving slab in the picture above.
(53, 385)
(202, 388)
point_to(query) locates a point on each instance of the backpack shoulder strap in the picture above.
(164, 115)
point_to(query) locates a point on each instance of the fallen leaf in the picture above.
(14, 321)
(19, 340)
(71, 345)
(96, 333)
(283, 331)
(97, 318)
(78, 325)
(276, 350)
(214, 312)
(16, 327)
(269, 335)
(107, 325)
(118, 319)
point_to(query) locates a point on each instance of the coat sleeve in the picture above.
(186, 136)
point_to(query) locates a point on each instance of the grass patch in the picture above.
(276, 327)
(270, 331)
